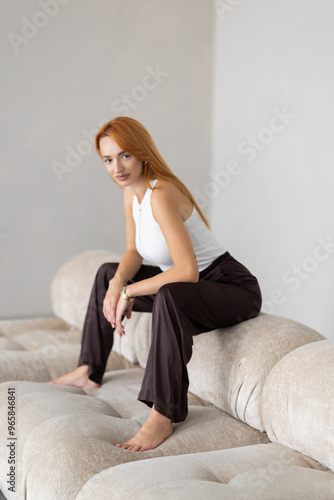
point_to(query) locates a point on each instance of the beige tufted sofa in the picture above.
(260, 423)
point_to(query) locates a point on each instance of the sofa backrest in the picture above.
(298, 402)
(72, 284)
(229, 366)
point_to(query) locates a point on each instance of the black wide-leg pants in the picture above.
(226, 294)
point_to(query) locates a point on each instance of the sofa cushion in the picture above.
(68, 435)
(135, 344)
(298, 402)
(229, 366)
(268, 471)
(42, 349)
(37, 349)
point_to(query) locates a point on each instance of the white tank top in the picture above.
(151, 244)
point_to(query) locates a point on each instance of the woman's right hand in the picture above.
(111, 300)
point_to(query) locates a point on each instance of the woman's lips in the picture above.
(122, 177)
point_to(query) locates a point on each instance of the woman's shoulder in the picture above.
(165, 190)
(163, 185)
(167, 193)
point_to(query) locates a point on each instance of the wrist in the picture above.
(129, 291)
(115, 281)
(126, 294)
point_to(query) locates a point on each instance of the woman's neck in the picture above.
(139, 189)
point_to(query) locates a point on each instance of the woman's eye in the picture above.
(126, 156)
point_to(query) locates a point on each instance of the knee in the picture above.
(167, 290)
(169, 293)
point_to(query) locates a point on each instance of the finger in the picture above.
(120, 328)
(113, 309)
(109, 310)
(107, 313)
(113, 314)
(106, 308)
(120, 332)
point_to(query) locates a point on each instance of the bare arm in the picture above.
(127, 268)
(168, 215)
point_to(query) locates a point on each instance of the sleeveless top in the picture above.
(151, 244)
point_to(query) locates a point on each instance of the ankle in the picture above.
(159, 417)
(83, 369)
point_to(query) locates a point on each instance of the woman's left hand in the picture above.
(124, 308)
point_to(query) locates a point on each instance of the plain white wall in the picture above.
(67, 66)
(271, 187)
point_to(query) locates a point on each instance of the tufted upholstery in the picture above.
(298, 402)
(260, 472)
(68, 434)
(239, 384)
(230, 366)
(42, 349)
(298, 411)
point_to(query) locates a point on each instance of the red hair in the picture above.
(132, 137)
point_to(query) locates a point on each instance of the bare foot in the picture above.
(156, 429)
(77, 378)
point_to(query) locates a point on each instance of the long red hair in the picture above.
(132, 137)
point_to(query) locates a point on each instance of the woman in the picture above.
(195, 285)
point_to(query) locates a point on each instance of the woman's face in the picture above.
(123, 167)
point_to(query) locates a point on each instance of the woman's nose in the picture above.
(118, 166)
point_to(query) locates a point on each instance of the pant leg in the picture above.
(98, 334)
(226, 294)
